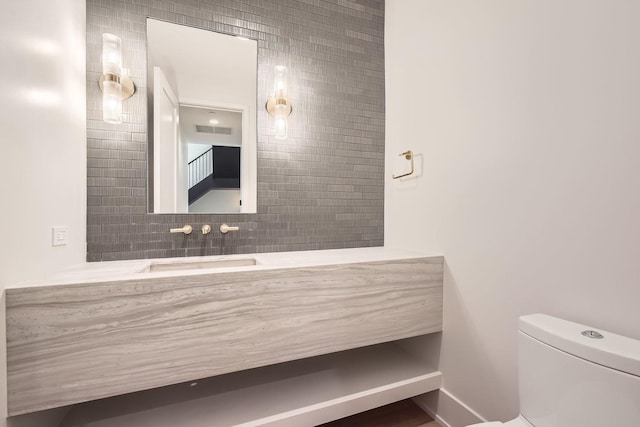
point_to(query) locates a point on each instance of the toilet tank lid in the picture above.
(613, 351)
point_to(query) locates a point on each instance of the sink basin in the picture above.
(198, 265)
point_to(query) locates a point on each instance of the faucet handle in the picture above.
(224, 228)
(187, 229)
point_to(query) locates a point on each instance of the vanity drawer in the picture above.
(73, 343)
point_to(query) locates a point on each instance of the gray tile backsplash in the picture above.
(322, 188)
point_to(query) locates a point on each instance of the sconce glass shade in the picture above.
(278, 105)
(281, 128)
(281, 110)
(112, 102)
(111, 86)
(111, 54)
(280, 84)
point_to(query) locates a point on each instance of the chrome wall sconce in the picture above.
(115, 85)
(278, 105)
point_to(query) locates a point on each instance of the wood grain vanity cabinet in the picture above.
(80, 342)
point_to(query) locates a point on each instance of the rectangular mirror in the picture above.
(202, 127)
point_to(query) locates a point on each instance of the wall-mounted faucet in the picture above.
(187, 229)
(224, 228)
(206, 229)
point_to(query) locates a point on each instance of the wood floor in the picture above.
(400, 414)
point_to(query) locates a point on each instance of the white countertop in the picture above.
(93, 272)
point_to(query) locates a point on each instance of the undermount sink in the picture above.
(198, 265)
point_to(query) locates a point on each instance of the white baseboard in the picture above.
(447, 410)
(420, 401)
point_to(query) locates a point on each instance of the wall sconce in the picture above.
(278, 105)
(115, 86)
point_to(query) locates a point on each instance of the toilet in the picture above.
(571, 375)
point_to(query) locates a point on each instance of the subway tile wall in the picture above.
(322, 188)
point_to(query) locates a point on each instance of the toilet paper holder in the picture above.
(409, 156)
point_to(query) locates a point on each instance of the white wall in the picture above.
(526, 118)
(43, 140)
(43, 151)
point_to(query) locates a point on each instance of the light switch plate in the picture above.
(60, 236)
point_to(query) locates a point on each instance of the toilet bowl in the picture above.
(571, 375)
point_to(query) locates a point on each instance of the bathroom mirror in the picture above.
(202, 120)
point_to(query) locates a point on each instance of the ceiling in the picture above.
(192, 116)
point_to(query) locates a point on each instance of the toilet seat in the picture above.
(516, 422)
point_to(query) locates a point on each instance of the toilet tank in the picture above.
(571, 379)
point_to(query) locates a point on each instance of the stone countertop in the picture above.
(139, 269)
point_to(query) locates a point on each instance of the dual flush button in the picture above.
(593, 334)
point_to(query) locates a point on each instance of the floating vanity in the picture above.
(297, 337)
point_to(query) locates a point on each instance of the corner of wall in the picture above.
(447, 410)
